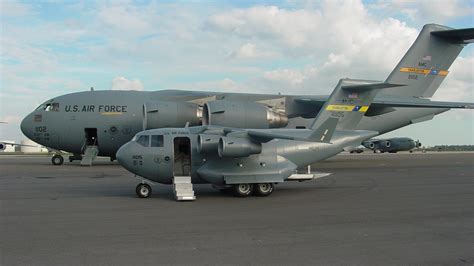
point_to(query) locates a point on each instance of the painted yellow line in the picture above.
(424, 71)
(443, 72)
(111, 113)
(415, 70)
(347, 108)
(343, 108)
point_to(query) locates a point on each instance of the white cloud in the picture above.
(126, 18)
(224, 85)
(250, 51)
(122, 84)
(457, 86)
(426, 10)
(289, 76)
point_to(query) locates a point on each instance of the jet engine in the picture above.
(207, 143)
(2, 146)
(237, 147)
(368, 144)
(242, 115)
(161, 114)
(388, 144)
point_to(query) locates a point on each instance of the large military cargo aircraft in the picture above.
(391, 145)
(99, 122)
(249, 160)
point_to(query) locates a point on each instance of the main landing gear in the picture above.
(259, 189)
(143, 190)
(57, 159)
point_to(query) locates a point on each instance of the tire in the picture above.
(57, 159)
(263, 189)
(143, 190)
(242, 190)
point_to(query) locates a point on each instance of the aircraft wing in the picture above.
(16, 144)
(3, 145)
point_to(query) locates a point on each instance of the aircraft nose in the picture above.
(26, 126)
(122, 154)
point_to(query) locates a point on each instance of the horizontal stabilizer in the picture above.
(387, 102)
(367, 87)
(423, 104)
(456, 36)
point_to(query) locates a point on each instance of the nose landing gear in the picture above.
(57, 159)
(143, 190)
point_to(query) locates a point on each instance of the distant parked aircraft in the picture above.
(391, 145)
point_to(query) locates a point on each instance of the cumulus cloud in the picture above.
(458, 84)
(123, 84)
(426, 10)
(224, 85)
(250, 51)
(126, 18)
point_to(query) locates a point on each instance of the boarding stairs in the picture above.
(90, 153)
(183, 188)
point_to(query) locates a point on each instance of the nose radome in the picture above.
(26, 126)
(121, 154)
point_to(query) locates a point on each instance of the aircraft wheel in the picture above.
(263, 189)
(143, 190)
(57, 160)
(242, 190)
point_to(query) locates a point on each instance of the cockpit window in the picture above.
(53, 107)
(144, 140)
(157, 140)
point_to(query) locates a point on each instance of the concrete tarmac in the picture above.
(374, 209)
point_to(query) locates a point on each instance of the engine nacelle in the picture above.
(368, 144)
(208, 143)
(237, 147)
(161, 114)
(388, 144)
(3, 146)
(242, 115)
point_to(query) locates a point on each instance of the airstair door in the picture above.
(183, 187)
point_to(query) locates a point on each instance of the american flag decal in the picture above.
(353, 95)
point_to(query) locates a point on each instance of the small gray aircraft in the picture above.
(94, 123)
(4, 144)
(391, 145)
(248, 160)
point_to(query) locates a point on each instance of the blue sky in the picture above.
(49, 48)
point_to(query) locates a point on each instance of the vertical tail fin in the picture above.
(426, 63)
(347, 103)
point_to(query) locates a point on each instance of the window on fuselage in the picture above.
(157, 140)
(53, 107)
(144, 140)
